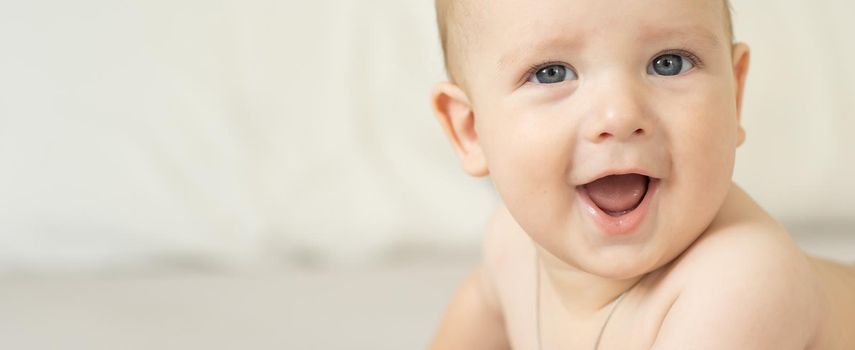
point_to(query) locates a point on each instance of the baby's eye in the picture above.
(552, 74)
(669, 65)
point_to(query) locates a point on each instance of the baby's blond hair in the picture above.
(449, 19)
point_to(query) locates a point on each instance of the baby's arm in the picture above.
(742, 306)
(473, 319)
(745, 285)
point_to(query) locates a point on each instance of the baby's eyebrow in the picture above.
(687, 35)
(563, 43)
(697, 35)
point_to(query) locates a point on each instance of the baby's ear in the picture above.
(741, 60)
(454, 112)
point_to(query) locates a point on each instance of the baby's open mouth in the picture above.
(617, 195)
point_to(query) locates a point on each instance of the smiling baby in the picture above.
(609, 129)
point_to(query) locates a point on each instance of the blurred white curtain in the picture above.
(254, 131)
(799, 111)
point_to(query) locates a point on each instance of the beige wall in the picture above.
(245, 131)
(800, 109)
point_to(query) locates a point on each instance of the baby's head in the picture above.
(609, 128)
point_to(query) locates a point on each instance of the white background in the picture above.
(240, 133)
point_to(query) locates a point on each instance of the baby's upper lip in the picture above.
(622, 171)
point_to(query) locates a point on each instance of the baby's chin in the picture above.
(618, 263)
(621, 271)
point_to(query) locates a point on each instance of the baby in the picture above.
(609, 129)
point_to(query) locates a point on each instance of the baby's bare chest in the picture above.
(535, 319)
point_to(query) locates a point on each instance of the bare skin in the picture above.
(555, 98)
(494, 309)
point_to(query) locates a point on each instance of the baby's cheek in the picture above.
(538, 153)
(705, 167)
(530, 175)
(708, 162)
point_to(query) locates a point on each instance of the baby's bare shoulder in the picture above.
(748, 280)
(509, 265)
(741, 251)
(505, 243)
(507, 256)
(742, 242)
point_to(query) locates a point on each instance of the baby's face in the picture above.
(567, 92)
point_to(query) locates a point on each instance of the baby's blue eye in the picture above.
(670, 65)
(555, 73)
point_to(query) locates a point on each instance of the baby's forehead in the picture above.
(511, 18)
(468, 25)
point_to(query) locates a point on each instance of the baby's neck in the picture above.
(581, 293)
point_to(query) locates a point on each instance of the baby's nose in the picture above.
(617, 133)
(618, 117)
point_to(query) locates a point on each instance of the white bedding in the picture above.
(394, 305)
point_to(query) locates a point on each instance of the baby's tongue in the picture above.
(617, 194)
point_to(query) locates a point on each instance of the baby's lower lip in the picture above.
(622, 224)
